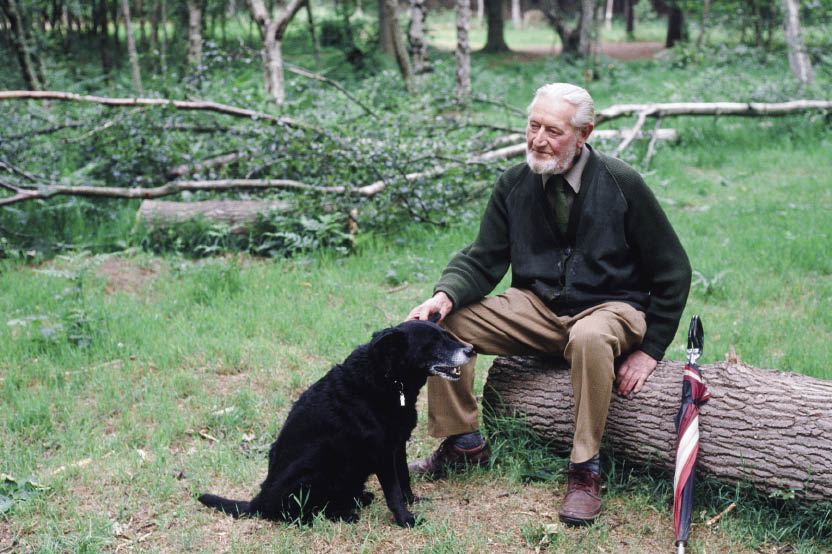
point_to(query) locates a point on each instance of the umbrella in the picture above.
(694, 394)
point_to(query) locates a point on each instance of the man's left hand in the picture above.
(634, 372)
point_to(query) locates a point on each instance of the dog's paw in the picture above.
(366, 498)
(406, 520)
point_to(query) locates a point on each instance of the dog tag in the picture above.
(401, 399)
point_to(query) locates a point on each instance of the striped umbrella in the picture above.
(694, 394)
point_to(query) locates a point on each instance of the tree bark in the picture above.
(516, 14)
(21, 44)
(399, 50)
(771, 429)
(495, 39)
(706, 8)
(133, 55)
(385, 36)
(586, 27)
(463, 51)
(272, 31)
(799, 61)
(194, 33)
(235, 213)
(100, 15)
(417, 44)
(675, 26)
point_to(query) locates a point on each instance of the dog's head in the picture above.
(418, 349)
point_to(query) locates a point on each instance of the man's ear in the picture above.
(583, 134)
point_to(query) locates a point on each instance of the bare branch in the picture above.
(315, 76)
(628, 138)
(712, 108)
(223, 159)
(178, 104)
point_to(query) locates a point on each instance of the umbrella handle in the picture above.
(696, 339)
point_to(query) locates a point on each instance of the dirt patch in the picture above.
(127, 276)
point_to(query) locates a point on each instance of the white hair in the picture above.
(575, 95)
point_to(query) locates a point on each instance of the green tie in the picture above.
(558, 198)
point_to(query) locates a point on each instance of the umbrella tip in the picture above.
(680, 547)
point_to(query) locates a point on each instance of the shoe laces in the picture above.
(581, 480)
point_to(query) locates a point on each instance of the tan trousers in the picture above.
(517, 322)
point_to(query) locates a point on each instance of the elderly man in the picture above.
(598, 276)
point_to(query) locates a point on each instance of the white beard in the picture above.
(555, 166)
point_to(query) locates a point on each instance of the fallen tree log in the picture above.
(771, 429)
(235, 213)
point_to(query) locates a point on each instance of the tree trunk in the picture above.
(629, 16)
(495, 41)
(235, 213)
(516, 14)
(417, 44)
(385, 36)
(316, 45)
(799, 61)
(585, 27)
(768, 428)
(399, 50)
(194, 33)
(608, 14)
(463, 51)
(21, 44)
(131, 47)
(100, 15)
(675, 26)
(706, 8)
(272, 31)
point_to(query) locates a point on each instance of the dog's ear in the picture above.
(387, 347)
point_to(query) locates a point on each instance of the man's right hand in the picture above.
(440, 303)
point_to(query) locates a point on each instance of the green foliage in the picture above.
(13, 491)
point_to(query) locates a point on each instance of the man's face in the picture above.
(551, 139)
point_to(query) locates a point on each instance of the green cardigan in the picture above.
(619, 246)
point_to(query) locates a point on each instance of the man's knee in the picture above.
(592, 339)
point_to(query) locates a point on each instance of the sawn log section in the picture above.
(769, 428)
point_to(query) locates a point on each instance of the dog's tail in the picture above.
(234, 508)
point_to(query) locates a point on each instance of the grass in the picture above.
(131, 382)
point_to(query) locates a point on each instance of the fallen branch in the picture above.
(178, 104)
(651, 146)
(237, 214)
(712, 108)
(223, 159)
(46, 191)
(628, 138)
(315, 76)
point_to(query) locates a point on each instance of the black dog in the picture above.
(350, 424)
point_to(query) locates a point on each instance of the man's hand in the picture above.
(439, 303)
(634, 372)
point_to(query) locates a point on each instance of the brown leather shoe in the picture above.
(582, 503)
(449, 456)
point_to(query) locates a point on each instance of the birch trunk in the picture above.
(416, 37)
(132, 54)
(771, 429)
(799, 61)
(271, 32)
(194, 32)
(585, 28)
(516, 14)
(463, 50)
